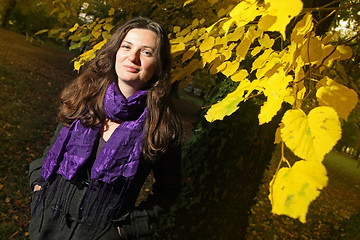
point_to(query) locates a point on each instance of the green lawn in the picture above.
(343, 163)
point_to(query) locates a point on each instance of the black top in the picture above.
(58, 210)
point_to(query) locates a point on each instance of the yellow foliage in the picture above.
(244, 45)
(188, 54)
(209, 55)
(231, 68)
(228, 105)
(188, 2)
(111, 11)
(302, 28)
(312, 50)
(177, 49)
(266, 22)
(293, 189)
(311, 137)
(284, 11)
(337, 96)
(240, 75)
(266, 41)
(245, 12)
(275, 89)
(207, 44)
(73, 29)
(262, 59)
(99, 45)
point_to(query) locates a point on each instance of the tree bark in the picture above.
(223, 164)
(7, 14)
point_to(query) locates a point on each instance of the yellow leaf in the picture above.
(96, 34)
(266, 22)
(242, 7)
(345, 52)
(209, 29)
(176, 29)
(73, 29)
(195, 23)
(243, 47)
(284, 11)
(188, 2)
(177, 49)
(41, 31)
(207, 44)
(111, 11)
(269, 109)
(330, 54)
(245, 12)
(312, 50)
(266, 41)
(303, 27)
(236, 35)
(337, 96)
(210, 55)
(239, 76)
(215, 65)
(228, 105)
(270, 68)
(77, 65)
(293, 189)
(256, 50)
(275, 89)
(188, 54)
(226, 25)
(88, 55)
(108, 27)
(262, 59)
(99, 45)
(212, 2)
(226, 53)
(311, 137)
(231, 68)
(221, 67)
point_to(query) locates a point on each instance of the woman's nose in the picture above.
(134, 56)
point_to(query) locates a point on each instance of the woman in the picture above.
(116, 126)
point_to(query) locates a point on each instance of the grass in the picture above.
(343, 163)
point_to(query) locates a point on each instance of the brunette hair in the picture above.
(83, 99)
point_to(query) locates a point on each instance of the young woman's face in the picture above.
(135, 60)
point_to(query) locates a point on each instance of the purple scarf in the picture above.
(119, 156)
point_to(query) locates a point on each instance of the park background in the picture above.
(225, 195)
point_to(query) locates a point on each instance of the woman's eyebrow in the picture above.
(144, 46)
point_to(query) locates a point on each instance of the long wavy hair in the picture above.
(83, 99)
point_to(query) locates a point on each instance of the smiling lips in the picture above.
(131, 69)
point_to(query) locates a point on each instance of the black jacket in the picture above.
(134, 223)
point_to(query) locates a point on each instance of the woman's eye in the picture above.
(125, 46)
(148, 53)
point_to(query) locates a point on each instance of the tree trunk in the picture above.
(7, 14)
(223, 164)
